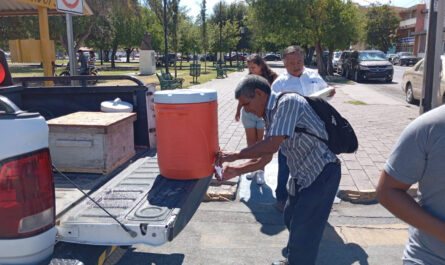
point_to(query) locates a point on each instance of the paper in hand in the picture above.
(218, 171)
(324, 93)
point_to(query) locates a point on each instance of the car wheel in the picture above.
(409, 93)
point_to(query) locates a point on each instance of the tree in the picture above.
(205, 42)
(381, 25)
(342, 28)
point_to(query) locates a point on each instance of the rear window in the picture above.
(372, 56)
(406, 54)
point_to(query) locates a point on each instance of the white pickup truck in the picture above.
(38, 207)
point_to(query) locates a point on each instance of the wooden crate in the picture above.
(92, 142)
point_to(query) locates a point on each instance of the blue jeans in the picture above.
(283, 176)
(306, 214)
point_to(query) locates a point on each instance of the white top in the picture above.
(116, 105)
(308, 83)
(184, 96)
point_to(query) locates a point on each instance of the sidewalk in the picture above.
(377, 120)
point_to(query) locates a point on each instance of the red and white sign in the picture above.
(70, 6)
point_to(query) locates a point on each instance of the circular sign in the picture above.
(71, 3)
(2, 73)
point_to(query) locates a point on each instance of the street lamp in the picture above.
(165, 37)
(220, 34)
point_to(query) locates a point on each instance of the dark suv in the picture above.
(368, 65)
(342, 62)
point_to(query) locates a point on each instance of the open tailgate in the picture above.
(156, 208)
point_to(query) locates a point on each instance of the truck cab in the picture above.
(39, 206)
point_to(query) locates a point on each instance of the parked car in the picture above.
(209, 57)
(342, 62)
(390, 57)
(413, 79)
(171, 59)
(271, 57)
(368, 65)
(234, 58)
(405, 58)
(335, 60)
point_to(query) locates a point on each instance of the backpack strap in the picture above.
(299, 129)
(303, 130)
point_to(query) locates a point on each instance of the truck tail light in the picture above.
(27, 202)
(5, 75)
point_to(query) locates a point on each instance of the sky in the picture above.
(194, 5)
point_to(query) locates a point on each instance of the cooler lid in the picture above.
(116, 105)
(185, 96)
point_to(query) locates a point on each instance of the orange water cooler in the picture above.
(187, 132)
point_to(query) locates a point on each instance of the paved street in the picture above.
(249, 230)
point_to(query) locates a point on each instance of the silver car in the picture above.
(413, 80)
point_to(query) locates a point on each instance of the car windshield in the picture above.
(337, 55)
(372, 56)
(406, 54)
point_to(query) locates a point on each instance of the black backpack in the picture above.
(341, 136)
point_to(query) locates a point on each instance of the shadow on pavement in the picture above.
(333, 250)
(132, 257)
(260, 203)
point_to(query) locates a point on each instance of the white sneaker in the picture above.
(251, 175)
(260, 177)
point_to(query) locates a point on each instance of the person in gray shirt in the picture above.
(419, 157)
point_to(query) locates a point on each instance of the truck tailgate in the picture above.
(156, 208)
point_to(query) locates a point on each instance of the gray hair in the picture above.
(246, 87)
(293, 49)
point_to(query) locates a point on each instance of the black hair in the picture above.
(266, 72)
(246, 87)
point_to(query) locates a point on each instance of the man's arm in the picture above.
(238, 111)
(231, 171)
(391, 193)
(268, 146)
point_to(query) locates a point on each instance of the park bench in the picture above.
(167, 81)
(220, 71)
(240, 66)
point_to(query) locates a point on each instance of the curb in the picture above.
(365, 196)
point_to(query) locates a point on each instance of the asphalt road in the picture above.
(394, 89)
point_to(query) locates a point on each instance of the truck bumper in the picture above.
(30, 250)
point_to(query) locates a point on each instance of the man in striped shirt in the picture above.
(315, 170)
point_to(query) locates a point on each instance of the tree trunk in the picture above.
(101, 57)
(330, 67)
(320, 63)
(107, 56)
(113, 54)
(128, 51)
(205, 61)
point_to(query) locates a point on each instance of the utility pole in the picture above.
(431, 69)
(165, 37)
(221, 57)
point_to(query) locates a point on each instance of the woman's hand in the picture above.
(237, 116)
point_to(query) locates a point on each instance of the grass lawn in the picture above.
(26, 70)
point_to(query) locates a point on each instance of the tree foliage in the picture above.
(381, 25)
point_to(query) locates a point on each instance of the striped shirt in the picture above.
(306, 155)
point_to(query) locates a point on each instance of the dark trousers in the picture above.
(306, 214)
(283, 176)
